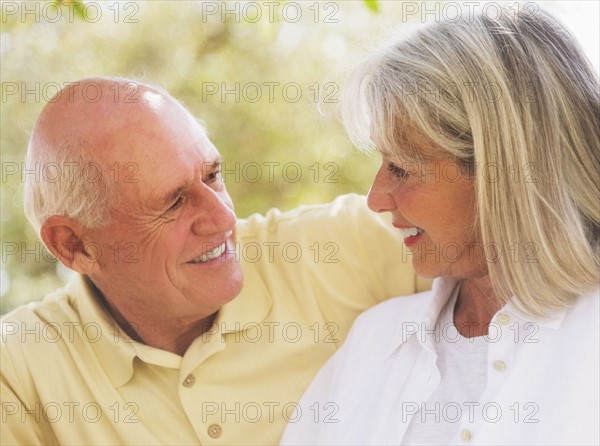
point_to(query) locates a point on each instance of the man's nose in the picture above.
(215, 212)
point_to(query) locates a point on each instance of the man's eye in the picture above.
(176, 204)
(214, 176)
(397, 171)
(214, 179)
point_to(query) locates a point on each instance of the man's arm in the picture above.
(18, 421)
(340, 254)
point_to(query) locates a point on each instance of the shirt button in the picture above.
(189, 380)
(503, 319)
(500, 366)
(465, 435)
(214, 431)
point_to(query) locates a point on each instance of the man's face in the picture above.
(170, 247)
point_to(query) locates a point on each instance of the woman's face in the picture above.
(434, 206)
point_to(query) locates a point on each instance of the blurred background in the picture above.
(264, 76)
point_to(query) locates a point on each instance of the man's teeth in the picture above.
(410, 232)
(217, 252)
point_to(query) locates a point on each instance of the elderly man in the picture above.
(156, 341)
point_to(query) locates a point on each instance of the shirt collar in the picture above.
(425, 313)
(114, 348)
(443, 290)
(250, 307)
(553, 318)
(421, 317)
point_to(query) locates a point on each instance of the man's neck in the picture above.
(171, 335)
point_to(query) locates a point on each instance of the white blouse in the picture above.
(462, 363)
(541, 384)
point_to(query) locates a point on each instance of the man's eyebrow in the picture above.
(215, 164)
(171, 196)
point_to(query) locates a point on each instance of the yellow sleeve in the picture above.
(19, 426)
(341, 254)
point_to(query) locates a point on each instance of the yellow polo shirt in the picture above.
(69, 375)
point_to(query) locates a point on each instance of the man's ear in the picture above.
(64, 239)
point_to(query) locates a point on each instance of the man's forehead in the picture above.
(127, 121)
(157, 125)
(98, 94)
(177, 179)
(153, 100)
(99, 109)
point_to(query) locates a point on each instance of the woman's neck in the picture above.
(475, 307)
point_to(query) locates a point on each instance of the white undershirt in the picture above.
(462, 363)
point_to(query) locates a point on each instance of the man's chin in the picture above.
(235, 287)
(228, 288)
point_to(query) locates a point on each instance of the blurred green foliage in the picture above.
(269, 72)
(265, 77)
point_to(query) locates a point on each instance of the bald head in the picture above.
(85, 130)
(98, 112)
(138, 204)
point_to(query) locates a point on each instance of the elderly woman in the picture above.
(489, 137)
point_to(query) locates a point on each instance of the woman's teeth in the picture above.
(217, 252)
(410, 232)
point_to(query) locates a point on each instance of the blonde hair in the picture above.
(515, 92)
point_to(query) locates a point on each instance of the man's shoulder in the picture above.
(38, 338)
(37, 321)
(349, 204)
(55, 301)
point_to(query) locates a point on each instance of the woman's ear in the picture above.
(64, 239)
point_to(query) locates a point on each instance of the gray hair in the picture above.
(70, 183)
(516, 92)
(67, 179)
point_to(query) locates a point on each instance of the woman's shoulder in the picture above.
(586, 308)
(378, 326)
(397, 309)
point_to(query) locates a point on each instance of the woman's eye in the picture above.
(397, 171)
